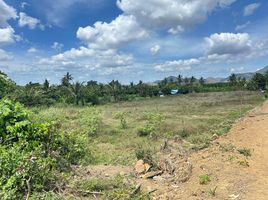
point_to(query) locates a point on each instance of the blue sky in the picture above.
(131, 40)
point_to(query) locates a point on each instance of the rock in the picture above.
(152, 174)
(158, 178)
(233, 196)
(139, 167)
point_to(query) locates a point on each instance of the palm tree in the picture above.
(46, 85)
(65, 81)
(192, 80)
(179, 80)
(77, 92)
(201, 81)
(232, 79)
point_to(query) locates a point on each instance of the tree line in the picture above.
(92, 92)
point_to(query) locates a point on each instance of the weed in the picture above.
(244, 151)
(212, 191)
(145, 155)
(204, 179)
(185, 133)
(243, 163)
(227, 147)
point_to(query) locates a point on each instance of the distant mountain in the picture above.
(247, 75)
(263, 70)
(215, 80)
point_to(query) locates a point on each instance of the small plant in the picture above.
(184, 133)
(227, 147)
(154, 121)
(146, 155)
(244, 151)
(212, 191)
(243, 163)
(204, 179)
(122, 117)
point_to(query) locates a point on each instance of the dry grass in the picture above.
(199, 116)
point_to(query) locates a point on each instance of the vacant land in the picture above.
(117, 134)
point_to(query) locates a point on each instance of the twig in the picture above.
(28, 188)
(137, 189)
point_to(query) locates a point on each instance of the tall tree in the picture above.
(179, 80)
(192, 80)
(232, 80)
(201, 81)
(66, 80)
(46, 85)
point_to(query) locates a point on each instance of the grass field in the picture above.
(113, 129)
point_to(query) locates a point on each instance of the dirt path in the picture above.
(252, 133)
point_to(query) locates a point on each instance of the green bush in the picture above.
(31, 153)
(153, 122)
(122, 117)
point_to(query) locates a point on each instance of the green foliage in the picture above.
(122, 117)
(92, 120)
(6, 85)
(30, 152)
(204, 179)
(153, 122)
(244, 151)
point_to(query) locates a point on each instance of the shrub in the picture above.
(122, 117)
(153, 122)
(30, 152)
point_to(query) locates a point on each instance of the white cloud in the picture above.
(121, 31)
(32, 50)
(242, 26)
(228, 43)
(31, 22)
(251, 8)
(237, 70)
(173, 15)
(155, 49)
(4, 55)
(85, 57)
(57, 46)
(7, 36)
(6, 12)
(177, 65)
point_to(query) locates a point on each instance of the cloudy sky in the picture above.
(131, 40)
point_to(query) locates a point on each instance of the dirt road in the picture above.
(231, 177)
(252, 133)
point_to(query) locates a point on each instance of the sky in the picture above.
(131, 40)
